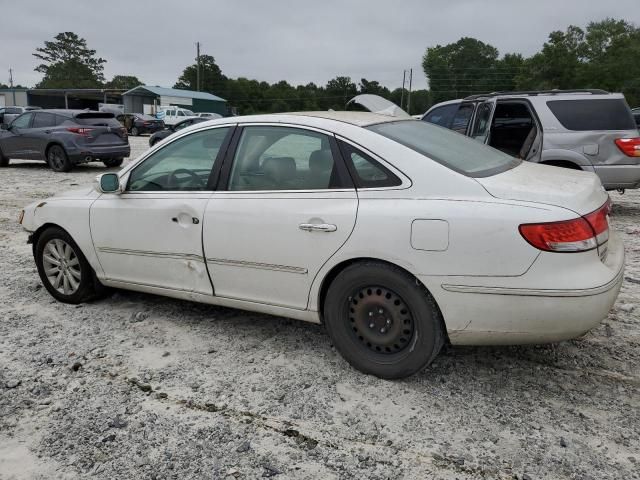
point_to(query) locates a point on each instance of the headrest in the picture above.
(320, 161)
(280, 169)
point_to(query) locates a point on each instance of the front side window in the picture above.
(483, 122)
(182, 165)
(442, 116)
(457, 152)
(461, 119)
(283, 158)
(23, 121)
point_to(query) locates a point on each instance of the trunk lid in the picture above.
(103, 127)
(575, 190)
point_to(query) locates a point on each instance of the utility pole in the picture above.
(404, 79)
(409, 95)
(13, 92)
(198, 68)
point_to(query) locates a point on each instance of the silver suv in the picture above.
(590, 130)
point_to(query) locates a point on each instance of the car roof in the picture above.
(360, 119)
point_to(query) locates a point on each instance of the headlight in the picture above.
(21, 217)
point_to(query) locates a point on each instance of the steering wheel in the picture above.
(172, 180)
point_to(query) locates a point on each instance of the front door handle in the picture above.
(317, 227)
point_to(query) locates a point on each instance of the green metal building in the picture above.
(146, 99)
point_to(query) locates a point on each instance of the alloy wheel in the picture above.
(56, 158)
(61, 266)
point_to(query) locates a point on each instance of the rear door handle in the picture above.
(317, 227)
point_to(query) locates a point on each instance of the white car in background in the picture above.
(396, 234)
(173, 115)
(209, 115)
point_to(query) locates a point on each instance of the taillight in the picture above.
(576, 235)
(80, 131)
(629, 146)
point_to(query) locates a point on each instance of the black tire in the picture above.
(4, 161)
(408, 327)
(88, 286)
(58, 159)
(113, 162)
(134, 131)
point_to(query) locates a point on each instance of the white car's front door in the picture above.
(288, 206)
(151, 234)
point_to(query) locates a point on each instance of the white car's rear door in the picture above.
(286, 206)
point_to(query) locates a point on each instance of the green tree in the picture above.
(338, 92)
(124, 82)
(459, 69)
(557, 65)
(67, 62)
(373, 87)
(211, 78)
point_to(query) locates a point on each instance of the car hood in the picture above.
(575, 190)
(86, 191)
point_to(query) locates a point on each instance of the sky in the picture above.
(299, 41)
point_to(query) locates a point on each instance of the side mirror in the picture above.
(4, 126)
(108, 183)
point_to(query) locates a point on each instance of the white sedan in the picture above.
(398, 235)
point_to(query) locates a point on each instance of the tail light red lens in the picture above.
(80, 131)
(629, 146)
(576, 235)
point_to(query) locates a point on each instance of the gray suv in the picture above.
(64, 138)
(590, 130)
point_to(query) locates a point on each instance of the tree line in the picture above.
(605, 54)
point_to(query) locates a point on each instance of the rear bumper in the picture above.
(79, 154)
(618, 176)
(538, 307)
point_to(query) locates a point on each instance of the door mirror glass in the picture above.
(109, 183)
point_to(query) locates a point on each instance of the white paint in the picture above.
(262, 261)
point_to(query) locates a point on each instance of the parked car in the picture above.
(636, 116)
(589, 130)
(171, 129)
(396, 234)
(8, 114)
(209, 115)
(64, 138)
(138, 123)
(173, 115)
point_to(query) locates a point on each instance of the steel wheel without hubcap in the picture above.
(380, 320)
(61, 266)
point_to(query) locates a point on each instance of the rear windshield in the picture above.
(595, 114)
(451, 149)
(97, 119)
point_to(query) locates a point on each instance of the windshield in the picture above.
(188, 113)
(451, 149)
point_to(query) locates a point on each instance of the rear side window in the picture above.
(442, 116)
(43, 120)
(97, 119)
(365, 171)
(595, 114)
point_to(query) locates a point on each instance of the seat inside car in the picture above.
(280, 171)
(320, 169)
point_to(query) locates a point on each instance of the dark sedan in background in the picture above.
(64, 138)
(156, 137)
(138, 123)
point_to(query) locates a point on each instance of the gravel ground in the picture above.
(143, 386)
